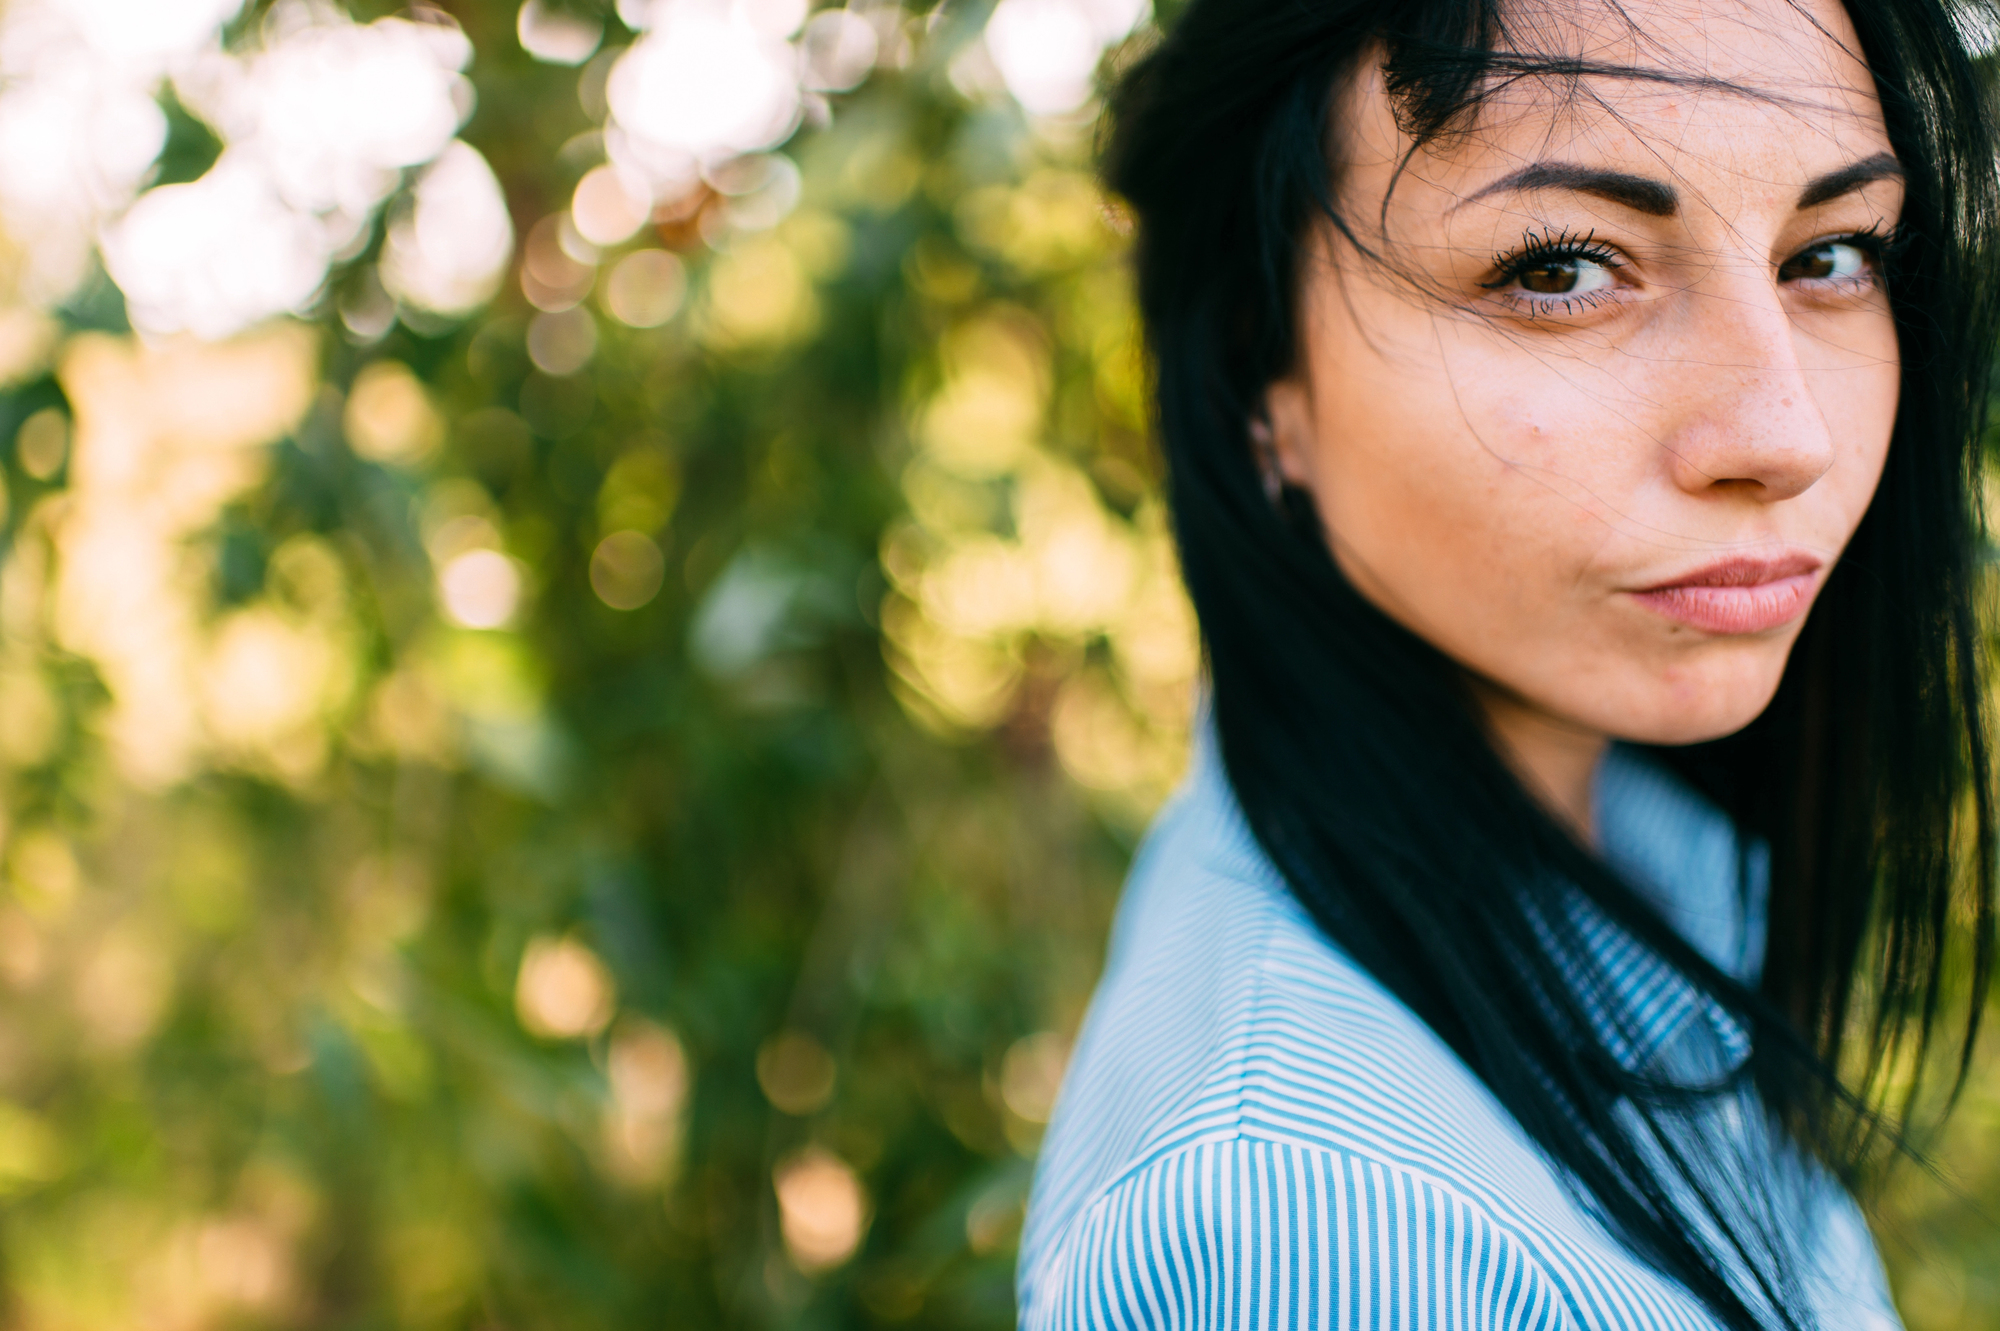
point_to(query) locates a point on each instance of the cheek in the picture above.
(1860, 410)
(1853, 369)
(1468, 495)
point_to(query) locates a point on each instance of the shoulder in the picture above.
(1243, 1232)
(1249, 1108)
(1249, 1233)
(1224, 1009)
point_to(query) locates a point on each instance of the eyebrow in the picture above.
(1642, 194)
(1657, 198)
(1865, 172)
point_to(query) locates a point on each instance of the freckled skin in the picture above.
(1504, 475)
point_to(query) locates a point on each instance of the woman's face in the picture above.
(1609, 401)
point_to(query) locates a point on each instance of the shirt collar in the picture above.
(1683, 854)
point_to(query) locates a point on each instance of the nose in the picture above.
(1751, 422)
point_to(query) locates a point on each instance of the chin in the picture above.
(1694, 715)
(1671, 732)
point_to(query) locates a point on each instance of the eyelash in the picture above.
(1537, 249)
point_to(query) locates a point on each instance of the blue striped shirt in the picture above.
(1254, 1133)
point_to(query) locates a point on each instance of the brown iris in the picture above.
(1818, 262)
(1551, 277)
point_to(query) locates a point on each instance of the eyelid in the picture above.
(1875, 241)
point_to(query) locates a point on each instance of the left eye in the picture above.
(1564, 275)
(1833, 259)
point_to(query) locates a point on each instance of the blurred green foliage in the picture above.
(359, 967)
(532, 820)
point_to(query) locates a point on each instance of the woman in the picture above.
(1571, 419)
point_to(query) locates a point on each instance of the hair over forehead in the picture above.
(1445, 63)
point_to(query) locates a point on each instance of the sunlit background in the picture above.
(586, 630)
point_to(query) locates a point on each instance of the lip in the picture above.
(1739, 595)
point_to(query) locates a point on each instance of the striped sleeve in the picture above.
(1240, 1234)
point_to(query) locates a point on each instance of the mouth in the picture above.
(1738, 595)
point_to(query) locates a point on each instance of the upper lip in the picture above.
(1741, 571)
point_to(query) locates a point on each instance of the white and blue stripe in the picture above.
(1255, 1134)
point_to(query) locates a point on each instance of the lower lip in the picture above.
(1733, 609)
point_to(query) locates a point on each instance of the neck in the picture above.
(1555, 759)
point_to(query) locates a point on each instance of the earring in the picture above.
(1264, 450)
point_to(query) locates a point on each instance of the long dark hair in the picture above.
(1361, 761)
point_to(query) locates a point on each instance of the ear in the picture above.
(1288, 431)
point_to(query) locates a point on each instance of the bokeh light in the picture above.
(627, 570)
(565, 992)
(645, 1121)
(1047, 50)
(839, 48)
(215, 255)
(448, 249)
(645, 288)
(389, 416)
(822, 1210)
(41, 444)
(1031, 1074)
(561, 342)
(480, 589)
(557, 36)
(606, 210)
(796, 1073)
(704, 83)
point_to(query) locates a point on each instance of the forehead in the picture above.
(1728, 96)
